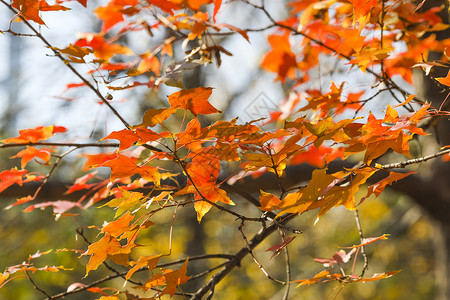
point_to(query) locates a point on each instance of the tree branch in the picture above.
(236, 261)
(403, 164)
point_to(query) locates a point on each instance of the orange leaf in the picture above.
(124, 166)
(102, 49)
(319, 157)
(217, 4)
(44, 6)
(195, 100)
(34, 135)
(318, 278)
(165, 5)
(113, 12)
(281, 59)
(125, 201)
(444, 80)
(126, 137)
(268, 201)
(100, 250)
(326, 130)
(149, 261)
(8, 178)
(95, 160)
(81, 183)
(148, 63)
(119, 226)
(155, 116)
(368, 241)
(362, 7)
(377, 276)
(378, 187)
(31, 152)
(29, 9)
(174, 279)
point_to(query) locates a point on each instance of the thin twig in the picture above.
(268, 215)
(37, 287)
(239, 256)
(261, 267)
(363, 250)
(196, 276)
(120, 274)
(288, 267)
(77, 145)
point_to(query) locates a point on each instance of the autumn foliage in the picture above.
(175, 158)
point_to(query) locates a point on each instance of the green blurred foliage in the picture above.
(410, 248)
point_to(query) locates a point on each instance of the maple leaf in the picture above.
(191, 139)
(154, 116)
(102, 48)
(340, 257)
(144, 261)
(281, 59)
(44, 6)
(166, 5)
(379, 186)
(29, 9)
(81, 183)
(275, 163)
(31, 152)
(148, 63)
(195, 100)
(123, 166)
(318, 278)
(125, 201)
(34, 135)
(376, 276)
(326, 129)
(119, 226)
(342, 195)
(126, 137)
(367, 241)
(362, 7)
(268, 201)
(9, 177)
(368, 56)
(113, 12)
(95, 160)
(174, 279)
(99, 251)
(319, 157)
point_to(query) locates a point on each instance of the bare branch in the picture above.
(414, 160)
(260, 266)
(77, 145)
(236, 261)
(363, 249)
(37, 287)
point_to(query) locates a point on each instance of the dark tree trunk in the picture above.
(435, 186)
